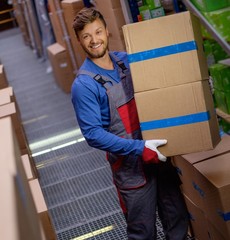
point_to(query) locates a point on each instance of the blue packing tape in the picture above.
(175, 121)
(225, 216)
(163, 51)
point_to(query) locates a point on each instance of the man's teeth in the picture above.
(96, 46)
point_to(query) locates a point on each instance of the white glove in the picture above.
(153, 144)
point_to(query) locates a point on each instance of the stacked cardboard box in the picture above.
(16, 199)
(3, 79)
(70, 9)
(64, 42)
(61, 65)
(170, 73)
(8, 106)
(206, 186)
(42, 209)
(113, 15)
(17, 168)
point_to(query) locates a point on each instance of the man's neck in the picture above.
(104, 62)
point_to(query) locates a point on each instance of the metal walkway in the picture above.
(75, 179)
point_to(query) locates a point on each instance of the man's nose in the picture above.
(93, 39)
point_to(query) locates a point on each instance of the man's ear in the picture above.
(107, 32)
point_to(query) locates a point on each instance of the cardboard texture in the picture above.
(42, 209)
(27, 166)
(152, 38)
(16, 199)
(3, 78)
(61, 31)
(213, 180)
(114, 25)
(7, 109)
(206, 181)
(58, 31)
(108, 6)
(10, 108)
(199, 226)
(5, 95)
(173, 113)
(214, 232)
(70, 9)
(61, 66)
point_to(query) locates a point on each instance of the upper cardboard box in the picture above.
(165, 51)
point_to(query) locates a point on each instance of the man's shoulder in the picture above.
(120, 54)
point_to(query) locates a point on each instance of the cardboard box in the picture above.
(42, 209)
(57, 28)
(61, 31)
(115, 23)
(5, 95)
(3, 79)
(18, 219)
(214, 232)
(206, 181)
(70, 9)
(198, 221)
(8, 107)
(213, 179)
(27, 167)
(165, 51)
(184, 115)
(61, 66)
(108, 6)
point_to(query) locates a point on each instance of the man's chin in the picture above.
(97, 55)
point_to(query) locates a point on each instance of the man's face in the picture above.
(94, 39)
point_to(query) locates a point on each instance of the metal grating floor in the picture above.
(75, 179)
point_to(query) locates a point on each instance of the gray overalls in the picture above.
(141, 188)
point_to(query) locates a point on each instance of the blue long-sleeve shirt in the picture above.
(90, 102)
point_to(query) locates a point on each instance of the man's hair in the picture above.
(85, 16)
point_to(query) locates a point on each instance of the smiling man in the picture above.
(103, 99)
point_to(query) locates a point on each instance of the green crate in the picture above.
(210, 5)
(221, 76)
(220, 21)
(222, 100)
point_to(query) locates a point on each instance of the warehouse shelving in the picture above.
(223, 43)
(223, 115)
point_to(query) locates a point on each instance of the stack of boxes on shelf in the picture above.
(171, 86)
(26, 17)
(21, 193)
(206, 187)
(65, 55)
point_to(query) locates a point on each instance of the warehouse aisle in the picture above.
(75, 179)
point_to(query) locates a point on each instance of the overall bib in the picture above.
(136, 182)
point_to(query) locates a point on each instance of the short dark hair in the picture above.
(85, 16)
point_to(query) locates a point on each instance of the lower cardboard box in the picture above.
(184, 115)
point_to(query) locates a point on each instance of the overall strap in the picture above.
(103, 80)
(122, 68)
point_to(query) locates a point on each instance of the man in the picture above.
(103, 99)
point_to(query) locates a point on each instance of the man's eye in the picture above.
(99, 32)
(85, 37)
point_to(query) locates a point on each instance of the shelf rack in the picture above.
(224, 44)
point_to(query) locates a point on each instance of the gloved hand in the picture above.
(151, 154)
